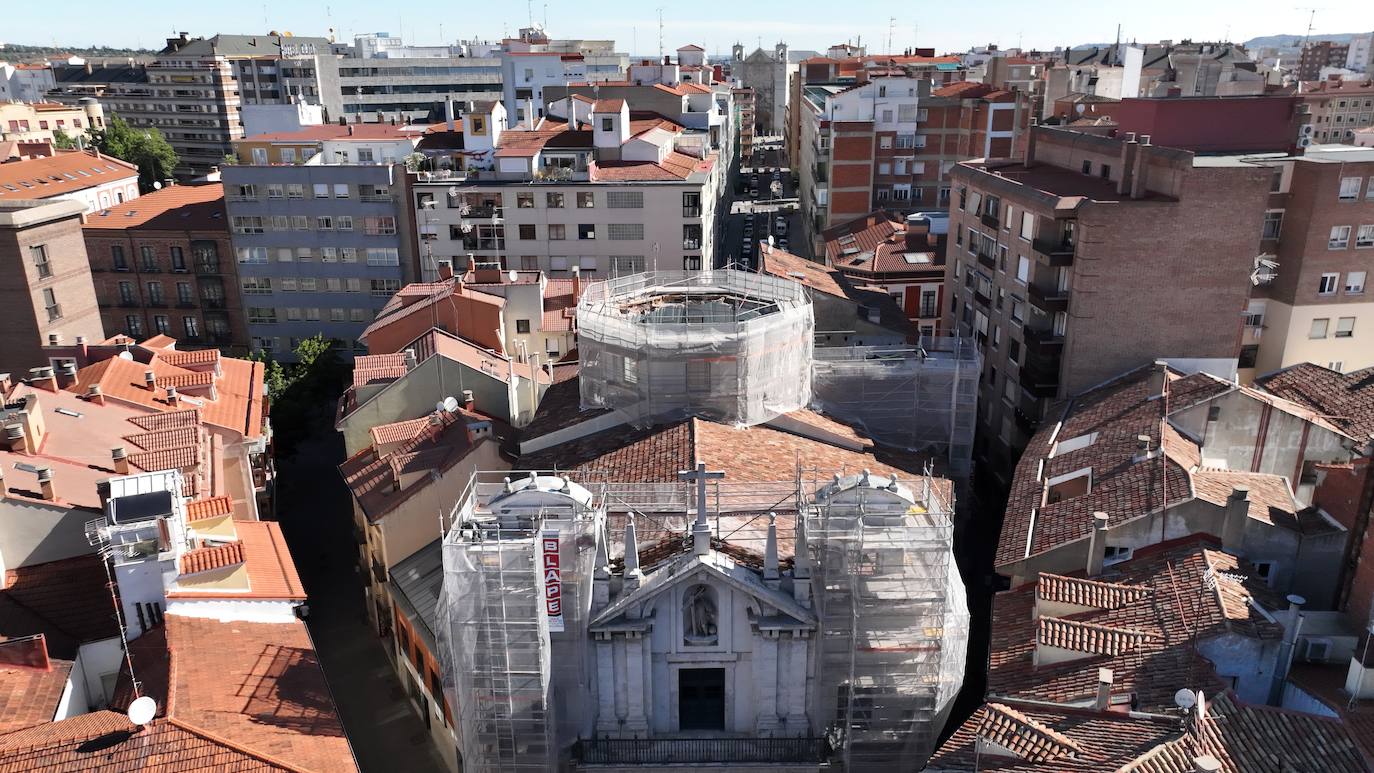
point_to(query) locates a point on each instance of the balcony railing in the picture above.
(987, 259)
(990, 221)
(1049, 300)
(1042, 341)
(700, 751)
(1058, 251)
(1040, 374)
(689, 211)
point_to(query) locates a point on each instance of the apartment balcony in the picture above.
(986, 301)
(213, 303)
(378, 571)
(1042, 342)
(990, 221)
(1040, 374)
(1026, 422)
(700, 751)
(1056, 251)
(987, 260)
(1049, 300)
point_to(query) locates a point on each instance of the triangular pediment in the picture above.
(688, 569)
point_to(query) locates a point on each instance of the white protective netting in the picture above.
(893, 623)
(728, 346)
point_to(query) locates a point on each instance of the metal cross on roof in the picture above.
(700, 475)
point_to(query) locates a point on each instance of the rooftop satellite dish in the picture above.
(449, 404)
(512, 275)
(126, 356)
(157, 186)
(142, 711)
(1185, 699)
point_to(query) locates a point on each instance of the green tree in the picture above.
(64, 141)
(145, 148)
(302, 395)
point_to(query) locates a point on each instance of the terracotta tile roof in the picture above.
(30, 696)
(608, 105)
(176, 208)
(1088, 637)
(829, 281)
(1050, 739)
(265, 556)
(1271, 499)
(1181, 592)
(205, 559)
(158, 422)
(398, 432)
(373, 368)
(68, 601)
(198, 378)
(60, 174)
(1345, 399)
(1083, 592)
(560, 307)
(380, 483)
(674, 166)
(330, 131)
(1326, 683)
(182, 458)
(1247, 738)
(184, 359)
(211, 507)
(1023, 736)
(875, 244)
(165, 439)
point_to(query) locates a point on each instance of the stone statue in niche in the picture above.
(699, 616)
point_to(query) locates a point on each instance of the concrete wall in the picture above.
(415, 523)
(1250, 662)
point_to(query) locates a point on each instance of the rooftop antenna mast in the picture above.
(529, 10)
(891, 24)
(660, 34)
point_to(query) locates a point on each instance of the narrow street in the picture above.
(750, 218)
(314, 509)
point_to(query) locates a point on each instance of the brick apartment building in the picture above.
(1336, 109)
(1082, 261)
(163, 264)
(1322, 53)
(45, 281)
(1230, 124)
(889, 142)
(1314, 305)
(903, 257)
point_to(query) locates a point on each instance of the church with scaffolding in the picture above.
(695, 567)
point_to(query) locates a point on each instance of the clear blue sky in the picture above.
(804, 24)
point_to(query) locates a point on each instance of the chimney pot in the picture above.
(468, 400)
(1097, 544)
(171, 394)
(1206, 764)
(45, 483)
(120, 459)
(149, 378)
(1104, 689)
(94, 394)
(54, 339)
(81, 340)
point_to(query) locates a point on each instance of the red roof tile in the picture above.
(380, 483)
(206, 559)
(68, 601)
(30, 696)
(63, 173)
(1346, 399)
(175, 208)
(182, 458)
(211, 507)
(373, 368)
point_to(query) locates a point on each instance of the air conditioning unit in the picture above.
(1304, 142)
(1317, 650)
(1307, 130)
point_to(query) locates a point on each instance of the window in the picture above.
(126, 293)
(691, 236)
(324, 223)
(626, 264)
(133, 325)
(353, 285)
(383, 256)
(384, 288)
(628, 199)
(256, 285)
(607, 124)
(333, 284)
(1027, 226)
(1318, 329)
(348, 254)
(1340, 238)
(379, 226)
(190, 326)
(300, 223)
(247, 225)
(312, 314)
(337, 314)
(1328, 283)
(244, 193)
(885, 141)
(1369, 190)
(557, 231)
(295, 191)
(252, 254)
(286, 284)
(117, 256)
(343, 223)
(162, 324)
(1345, 327)
(522, 326)
(357, 315)
(625, 231)
(586, 200)
(1105, 171)
(280, 223)
(39, 255)
(329, 254)
(308, 284)
(184, 292)
(1350, 188)
(1273, 224)
(261, 315)
(1354, 282)
(340, 190)
(1022, 269)
(527, 231)
(691, 263)
(1017, 309)
(553, 200)
(1364, 238)
(586, 231)
(288, 155)
(321, 190)
(275, 191)
(178, 259)
(155, 294)
(558, 263)
(1087, 166)
(1276, 182)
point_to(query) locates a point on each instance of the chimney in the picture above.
(1030, 143)
(120, 459)
(149, 379)
(54, 339)
(45, 483)
(1159, 378)
(576, 283)
(1104, 689)
(1206, 764)
(172, 394)
(1292, 629)
(43, 378)
(472, 264)
(6, 383)
(445, 269)
(1129, 148)
(94, 395)
(1142, 448)
(66, 374)
(1237, 513)
(1097, 544)
(468, 402)
(1142, 155)
(410, 359)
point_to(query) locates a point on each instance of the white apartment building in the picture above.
(593, 187)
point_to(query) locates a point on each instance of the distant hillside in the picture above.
(1294, 42)
(13, 52)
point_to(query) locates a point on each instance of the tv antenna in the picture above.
(660, 34)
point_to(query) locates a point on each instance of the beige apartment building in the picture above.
(1083, 261)
(1337, 109)
(41, 122)
(1314, 306)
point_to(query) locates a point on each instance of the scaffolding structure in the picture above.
(728, 346)
(922, 399)
(496, 645)
(893, 633)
